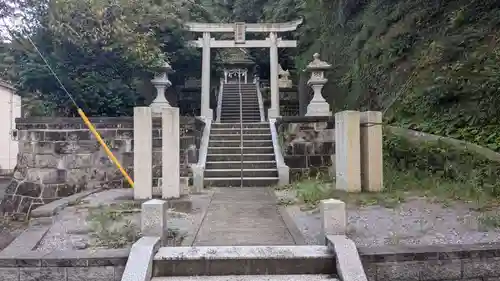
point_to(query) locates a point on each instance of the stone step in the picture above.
(243, 90)
(237, 126)
(239, 164)
(227, 131)
(237, 137)
(237, 157)
(236, 98)
(244, 106)
(252, 95)
(294, 277)
(238, 182)
(243, 260)
(236, 117)
(242, 85)
(236, 110)
(247, 173)
(239, 150)
(236, 105)
(237, 113)
(236, 86)
(237, 121)
(237, 143)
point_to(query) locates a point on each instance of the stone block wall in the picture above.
(95, 265)
(59, 157)
(475, 262)
(307, 143)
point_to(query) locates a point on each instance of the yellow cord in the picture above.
(106, 148)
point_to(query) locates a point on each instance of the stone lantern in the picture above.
(161, 83)
(318, 105)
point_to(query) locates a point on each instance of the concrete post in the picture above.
(143, 153)
(333, 217)
(205, 77)
(274, 111)
(371, 151)
(347, 151)
(154, 219)
(170, 153)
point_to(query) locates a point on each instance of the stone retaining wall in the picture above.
(476, 262)
(91, 265)
(60, 156)
(308, 144)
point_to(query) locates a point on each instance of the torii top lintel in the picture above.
(249, 27)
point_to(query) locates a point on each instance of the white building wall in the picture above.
(10, 109)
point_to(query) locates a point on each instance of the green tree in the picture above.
(102, 51)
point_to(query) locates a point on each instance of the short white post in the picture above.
(347, 151)
(170, 153)
(371, 151)
(333, 217)
(143, 153)
(154, 219)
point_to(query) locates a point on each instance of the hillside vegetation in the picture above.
(436, 62)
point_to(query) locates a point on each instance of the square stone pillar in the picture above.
(170, 153)
(143, 153)
(372, 166)
(154, 219)
(347, 151)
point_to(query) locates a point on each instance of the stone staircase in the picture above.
(230, 112)
(245, 263)
(240, 154)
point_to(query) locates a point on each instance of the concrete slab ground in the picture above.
(242, 216)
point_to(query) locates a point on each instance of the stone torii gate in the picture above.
(273, 42)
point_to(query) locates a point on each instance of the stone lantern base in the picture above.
(157, 108)
(318, 108)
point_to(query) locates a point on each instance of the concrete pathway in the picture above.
(242, 216)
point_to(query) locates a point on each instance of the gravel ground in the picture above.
(70, 229)
(417, 221)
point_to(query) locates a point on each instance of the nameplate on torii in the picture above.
(247, 44)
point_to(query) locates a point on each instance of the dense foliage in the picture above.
(434, 65)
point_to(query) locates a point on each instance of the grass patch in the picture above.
(489, 221)
(399, 186)
(110, 227)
